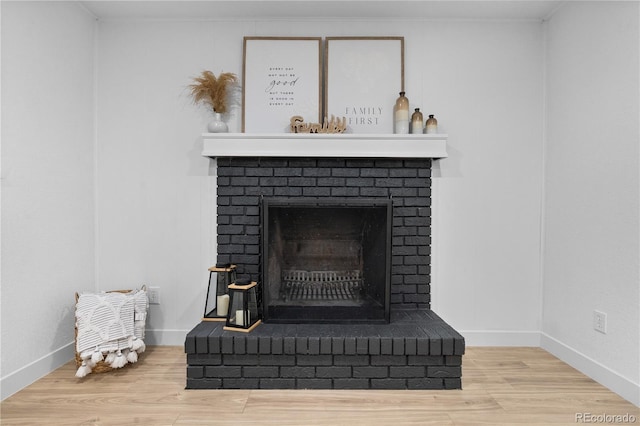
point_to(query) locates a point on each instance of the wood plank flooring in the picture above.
(501, 386)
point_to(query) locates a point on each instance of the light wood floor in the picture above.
(502, 386)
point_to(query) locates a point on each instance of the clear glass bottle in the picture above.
(401, 115)
(432, 125)
(416, 122)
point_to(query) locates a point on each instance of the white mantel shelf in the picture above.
(324, 145)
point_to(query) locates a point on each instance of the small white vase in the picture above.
(217, 125)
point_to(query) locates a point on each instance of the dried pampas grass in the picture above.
(212, 91)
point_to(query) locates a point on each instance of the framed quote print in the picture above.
(281, 78)
(363, 77)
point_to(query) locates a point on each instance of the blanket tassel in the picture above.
(138, 345)
(132, 356)
(119, 361)
(96, 356)
(83, 370)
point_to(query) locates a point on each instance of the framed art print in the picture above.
(280, 79)
(363, 76)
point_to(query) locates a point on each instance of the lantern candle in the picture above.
(240, 318)
(223, 304)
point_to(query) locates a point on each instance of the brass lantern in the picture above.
(243, 312)
(216, 305)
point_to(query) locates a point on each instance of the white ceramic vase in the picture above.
(217, 125)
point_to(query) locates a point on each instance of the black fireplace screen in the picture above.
(326, 260)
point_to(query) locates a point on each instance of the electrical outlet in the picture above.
(600, 322)
(154, 295)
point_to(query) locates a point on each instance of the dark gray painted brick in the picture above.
(273, 181)
(287, 171)
(277, 383)
(256, 171)
(388, 360)
(410, 346)
(195, 371)
(297, 372)
(373, 192)
(350, 345)
(239, 345)
(277, 360)
(354, 360)
(204, 383)
(249, 383)
(453, 360)
(277, 345)
(374, 345)
(406, 371)
(264, 344)
(345, 192)
(314, 171)
(301, 181)
(339, 172)
(314, 360)
(453, 383)
(337, 345)
(325, 345)
(369, 372)
(260, 371)
(386, 346)
(425, 383)
(362, 345)
(223, 371)
(302, 345)
(289, 346)
(204, 359)
(422, 346)
(388, 383)
(398, 346)
(233, 359)
(425, 360)
(313, 383)
(331, 372)
(314, 346)
(226, 344)
(351, 383)
(444, 371)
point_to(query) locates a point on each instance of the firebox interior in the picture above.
(326, 260)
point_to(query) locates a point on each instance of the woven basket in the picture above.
(100, 367)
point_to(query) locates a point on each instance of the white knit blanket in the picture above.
(110, 323)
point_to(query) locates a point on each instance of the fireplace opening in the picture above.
(326, 260)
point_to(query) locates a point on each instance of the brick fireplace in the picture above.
(405, 346)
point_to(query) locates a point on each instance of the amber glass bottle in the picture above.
(401, 115)
(416, 122)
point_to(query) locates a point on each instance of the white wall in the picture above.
(47, 183)
(591, 251)
(155, 192)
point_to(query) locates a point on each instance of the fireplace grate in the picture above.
(321, 285)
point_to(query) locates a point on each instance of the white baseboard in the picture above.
(598, 372)
(165, 337)
(501, 338)
(39, 368)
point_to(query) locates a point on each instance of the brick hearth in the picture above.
(417, 350)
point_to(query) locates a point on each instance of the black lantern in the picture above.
(216, 305)
(243, 306)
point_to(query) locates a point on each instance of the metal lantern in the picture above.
(216, 305)
(243, 306)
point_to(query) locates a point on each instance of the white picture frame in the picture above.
(281, 78)
(363, 78)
